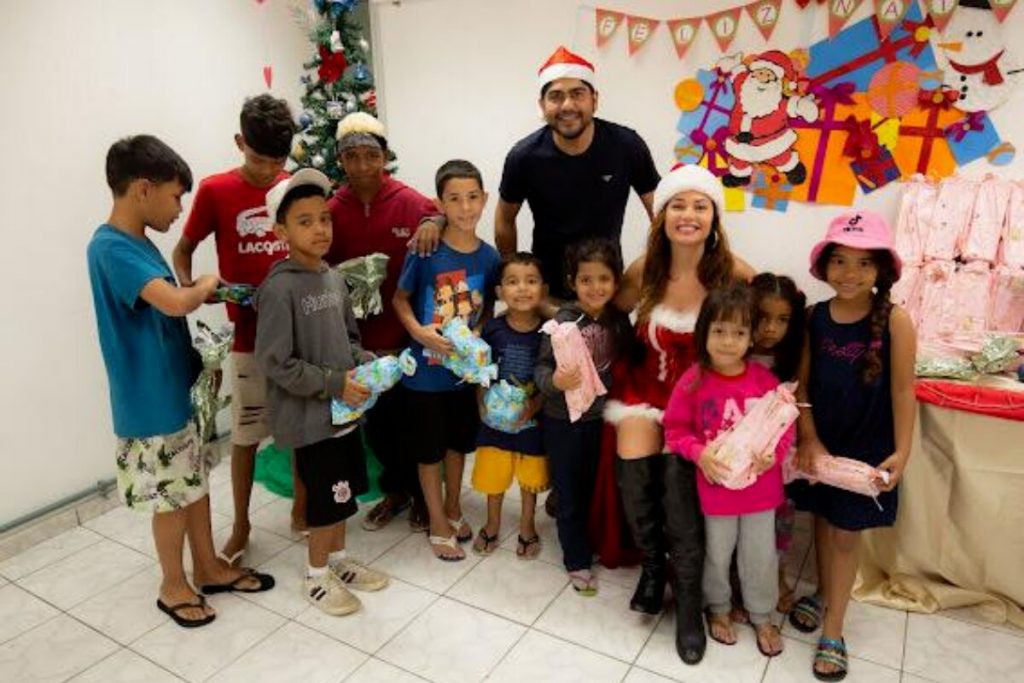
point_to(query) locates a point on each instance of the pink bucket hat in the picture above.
(858, 230)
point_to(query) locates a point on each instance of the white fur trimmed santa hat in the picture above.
(684, 177)
(565, 64)
(777, 62)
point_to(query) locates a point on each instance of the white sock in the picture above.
(315, 572)
(337, 556)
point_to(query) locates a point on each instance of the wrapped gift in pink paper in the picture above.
(758, 431)
(907, 237)
(981, 240)
(969, 289)
(570, 352)
(1011, 248)
(953, 209)
(1006, 309)
(843, 473)
(936, 304)
(906, 292)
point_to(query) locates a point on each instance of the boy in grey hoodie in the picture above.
(307, 345)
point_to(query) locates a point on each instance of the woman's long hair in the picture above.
(714, 270)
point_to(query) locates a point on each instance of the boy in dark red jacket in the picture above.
(374, 213)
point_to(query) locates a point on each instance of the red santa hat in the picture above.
(777, 62)
(565, 64)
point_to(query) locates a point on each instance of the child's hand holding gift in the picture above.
(432, 339)
(567, 379)
(714, 469)
(354, 393)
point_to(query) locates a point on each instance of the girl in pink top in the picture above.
(709, 398)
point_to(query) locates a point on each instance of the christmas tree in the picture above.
(339, 82)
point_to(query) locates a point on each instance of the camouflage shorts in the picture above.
(162, 473)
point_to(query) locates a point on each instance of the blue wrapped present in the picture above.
(379, 375)
(470, 359)
(857, 52)
(504, 405)
(972, 138)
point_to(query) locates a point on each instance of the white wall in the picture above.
(75, 76)
(458, 79)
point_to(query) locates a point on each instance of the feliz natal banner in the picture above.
(765, 16)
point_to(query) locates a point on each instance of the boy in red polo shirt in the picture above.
(232, 207)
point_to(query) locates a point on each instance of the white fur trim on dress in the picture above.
(617, 411)
(677, 321)
(761, 152)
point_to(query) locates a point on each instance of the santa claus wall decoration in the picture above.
(766, 98)
(980, 68)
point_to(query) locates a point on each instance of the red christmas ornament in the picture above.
(332, 65)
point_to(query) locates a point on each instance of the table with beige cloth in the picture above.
(959, 535)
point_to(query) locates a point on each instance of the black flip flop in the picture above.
(172, 612)
(266, 583)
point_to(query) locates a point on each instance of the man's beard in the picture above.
(756, 102)
(572, 133)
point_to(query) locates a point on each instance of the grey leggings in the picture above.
(753, 538)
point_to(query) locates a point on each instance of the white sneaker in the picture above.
(358, 576)
(329, 594)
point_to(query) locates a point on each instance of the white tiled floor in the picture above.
(80, 607)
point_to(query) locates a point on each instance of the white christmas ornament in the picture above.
(336, 45)
(979, 66)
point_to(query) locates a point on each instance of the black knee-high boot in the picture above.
(642, 489)
(684, 529)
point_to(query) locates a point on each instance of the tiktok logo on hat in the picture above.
(853, 224)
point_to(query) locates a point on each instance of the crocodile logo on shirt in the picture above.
(254, 222)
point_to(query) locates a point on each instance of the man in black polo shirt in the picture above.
(575, 173)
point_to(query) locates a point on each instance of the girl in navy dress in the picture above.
(857, 373)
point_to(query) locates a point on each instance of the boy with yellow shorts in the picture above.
(501, 456)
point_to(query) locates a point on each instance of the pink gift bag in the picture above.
(936, 305)
(906, 292)
(981, 240)
(758, 431)
(907, 238)
(1011, 249)
(1006, 309)
(843, 473)
(969, 291)
(953, 209)
(571, 351)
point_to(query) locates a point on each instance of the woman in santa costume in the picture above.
(687, 255)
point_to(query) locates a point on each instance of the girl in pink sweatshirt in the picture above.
(708, 399)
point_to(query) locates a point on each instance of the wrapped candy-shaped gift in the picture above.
(570, 352)
(213, 347)
(233, 294)
(378, 376)
(843, 473)
(364, 276)
(759, 431)
(504, 405)
(470, 360)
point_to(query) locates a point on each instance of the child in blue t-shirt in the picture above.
(151, 365)
(514, 339)
(456, 280)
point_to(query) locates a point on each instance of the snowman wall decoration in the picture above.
(980, 67)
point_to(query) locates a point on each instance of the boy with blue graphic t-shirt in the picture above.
(456, 280)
